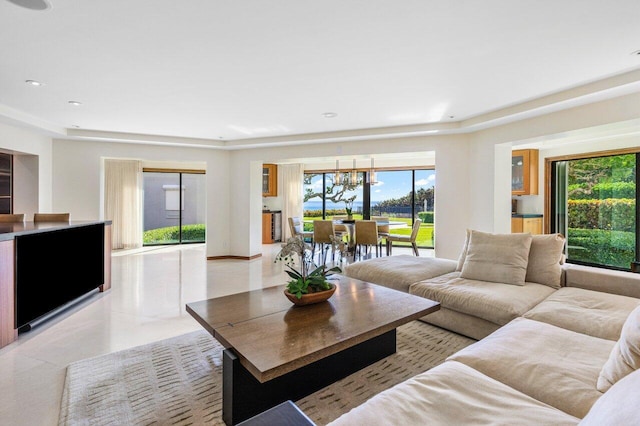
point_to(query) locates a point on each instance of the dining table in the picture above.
(350, 225)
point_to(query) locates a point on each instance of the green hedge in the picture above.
(172, 234)
(426, 217)
(602, 191)
(330, 212)
(612, 248)
(618, 214)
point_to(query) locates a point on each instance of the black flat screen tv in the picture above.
(56, 267)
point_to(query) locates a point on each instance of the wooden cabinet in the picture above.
(522, 223)
(524, 172)
(6, 183)
(269, 180)
(267, 237)
(271, 227)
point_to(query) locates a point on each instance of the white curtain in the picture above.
(123, 202)
(292, 194)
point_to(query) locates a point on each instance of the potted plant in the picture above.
(349, 208)
(307, 279)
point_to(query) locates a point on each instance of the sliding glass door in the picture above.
(594, 204)
(400, 195)
(174, 207)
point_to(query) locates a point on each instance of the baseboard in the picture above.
(255, 256)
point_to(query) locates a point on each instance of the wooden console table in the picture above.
(35, 257)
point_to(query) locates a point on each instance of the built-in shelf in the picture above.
(6, 183)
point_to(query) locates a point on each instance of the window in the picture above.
(400, 195)
(593, 203)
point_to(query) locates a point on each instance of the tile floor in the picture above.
(150, 288)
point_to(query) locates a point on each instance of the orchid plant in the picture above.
(306, 276)
(348, 207)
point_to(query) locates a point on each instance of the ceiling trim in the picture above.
(608, 88)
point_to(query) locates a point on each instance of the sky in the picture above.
(394, 184)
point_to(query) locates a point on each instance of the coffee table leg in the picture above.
(243, 396)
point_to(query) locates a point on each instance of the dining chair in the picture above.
(51, 217)
(12, 218)
(383, 228)
(366, 236)
(338, 226)
(324, 236)
(297, 228)
(405, 238)
(340, 229)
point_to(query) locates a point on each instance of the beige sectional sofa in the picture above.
(560, 346)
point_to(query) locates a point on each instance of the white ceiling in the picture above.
(268, 70)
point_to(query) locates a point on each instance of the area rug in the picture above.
(178, 381)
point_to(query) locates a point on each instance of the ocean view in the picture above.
(317, 205)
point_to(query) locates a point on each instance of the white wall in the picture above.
(585, 126)
(33, 175)
(26, 188)
(78, 171)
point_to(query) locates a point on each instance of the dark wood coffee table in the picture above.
(275, 351)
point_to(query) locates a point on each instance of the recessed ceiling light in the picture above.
(636, 53)
(75, 126)
(33, 83)
(32, 4)
(75, 103)
(452, 116)
(329, 115)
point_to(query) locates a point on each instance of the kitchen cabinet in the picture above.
(269, 180)
(524, 172)
(527, 223)
(271, 227)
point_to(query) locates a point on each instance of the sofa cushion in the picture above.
(625, 356)
(498, 258)
(600, 279)
(618, 406)
(398, 272)
(495, 302)
(584, 311)
(452, 394)
(556, 366)
(463, 253)
(461, 323)
(545, 257)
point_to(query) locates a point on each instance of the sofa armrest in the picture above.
(604, 280)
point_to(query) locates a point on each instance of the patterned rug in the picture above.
(178, 381)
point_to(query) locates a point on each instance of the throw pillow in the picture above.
(618, 406)
(625, 355)
(501, 258)
(545, 258)
(463, 253)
